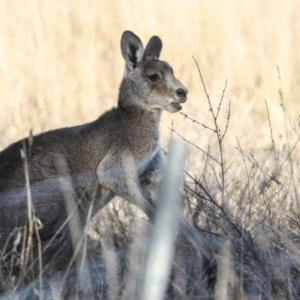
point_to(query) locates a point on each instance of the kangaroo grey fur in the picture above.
(117, 154)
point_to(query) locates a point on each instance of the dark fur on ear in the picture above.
(153, 47)
(131, 48)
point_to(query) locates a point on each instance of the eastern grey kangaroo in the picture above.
(45, 178)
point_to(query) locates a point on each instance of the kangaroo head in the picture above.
(148, 82)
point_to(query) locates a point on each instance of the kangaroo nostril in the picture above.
(181, 93)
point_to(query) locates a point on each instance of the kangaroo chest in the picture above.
(144, 161)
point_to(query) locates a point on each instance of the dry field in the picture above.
(60, 65)
(60, 62)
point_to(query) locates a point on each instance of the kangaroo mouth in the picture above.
(173, 107)
(176, 105)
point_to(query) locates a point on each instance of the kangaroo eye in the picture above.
(153, 77)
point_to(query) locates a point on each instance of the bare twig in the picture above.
(246, 169)
(196, 122)
(227, 123)
(203, 151)
(222, 97)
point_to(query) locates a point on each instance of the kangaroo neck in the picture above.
(136, 111)
(131, 101)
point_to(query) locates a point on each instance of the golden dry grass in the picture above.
(60, 65)
(60, 62)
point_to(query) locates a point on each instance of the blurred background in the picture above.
(60, 64)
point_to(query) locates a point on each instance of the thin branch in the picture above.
(227, 123)
(196, 147)
(194, 121)
(203, 84)
(245, 165)
(220, 104)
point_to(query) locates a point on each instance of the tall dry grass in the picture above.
(60, 65)
(60, 61)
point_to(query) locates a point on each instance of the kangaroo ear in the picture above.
(153, 47)
(132, 49)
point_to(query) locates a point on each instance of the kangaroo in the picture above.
(45, 178)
